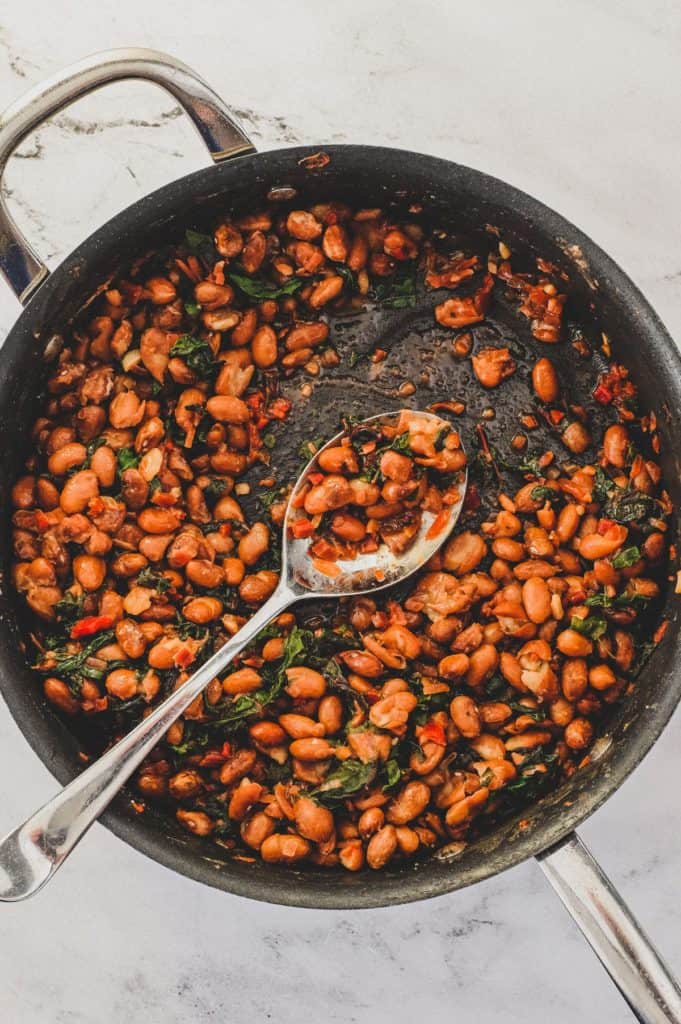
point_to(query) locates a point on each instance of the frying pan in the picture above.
(470, 205)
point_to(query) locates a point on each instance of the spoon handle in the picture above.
(32, 853)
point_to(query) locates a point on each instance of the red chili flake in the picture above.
(434, 733)
(556, 415)
(91, 624)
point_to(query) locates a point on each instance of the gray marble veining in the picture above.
(577, 103)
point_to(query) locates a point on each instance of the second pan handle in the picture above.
(613, 932)
(224, 138)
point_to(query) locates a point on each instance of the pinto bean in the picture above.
(254, 544)
(464, 553)
(159, 520)
(244, 680)
(537, 599)
(228, 409)
(466, 716)
(482, 664)
(58, 693)
(573, 644)
(284, 849)
(257, 587)
(408, 803)
(64, 459)
(381, 847)
(303, 683)
(312, 748)
(303, 225)
(78, 491)
(545, 381)
(313, 821)
(89, 571)
(578, 733)
(600, 545)
(616, 443)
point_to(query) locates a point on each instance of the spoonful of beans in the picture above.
(371, 508)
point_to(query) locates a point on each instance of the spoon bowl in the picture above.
(377, 569)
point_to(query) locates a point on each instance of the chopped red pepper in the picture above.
(301, 528)
(91, 624)
(604, 525)
(279, 408)
(433, 732)
(603, 394)
(315, 478)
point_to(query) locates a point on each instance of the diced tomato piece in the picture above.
(301, 528)
(603, 395)
(433, 732)
(279, 408)
(438, 524)
(90, 624)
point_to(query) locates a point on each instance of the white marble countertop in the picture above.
(577, 103)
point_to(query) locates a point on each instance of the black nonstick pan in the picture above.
(465, 202)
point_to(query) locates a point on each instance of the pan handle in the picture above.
(19, 264)
(613, 932)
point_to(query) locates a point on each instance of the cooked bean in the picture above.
(408, 803)
(313, 821)
(545, 381)
(244, 680)
(304, 683)
(202, 609)
(227, 409)
(254, 544)
(381, 847)
(466, 716)
(66, 458)
(284, 849)
(78, 491)
(573, 644)
(89, 571)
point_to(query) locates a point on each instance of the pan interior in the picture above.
(476, 212)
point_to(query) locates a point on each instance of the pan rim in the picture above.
(308, 890)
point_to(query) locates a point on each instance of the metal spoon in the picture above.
(32, 853)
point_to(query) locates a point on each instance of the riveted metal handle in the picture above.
(19, 264)
(613, 932)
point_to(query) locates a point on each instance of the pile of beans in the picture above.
(367, 491)
(393, 727)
